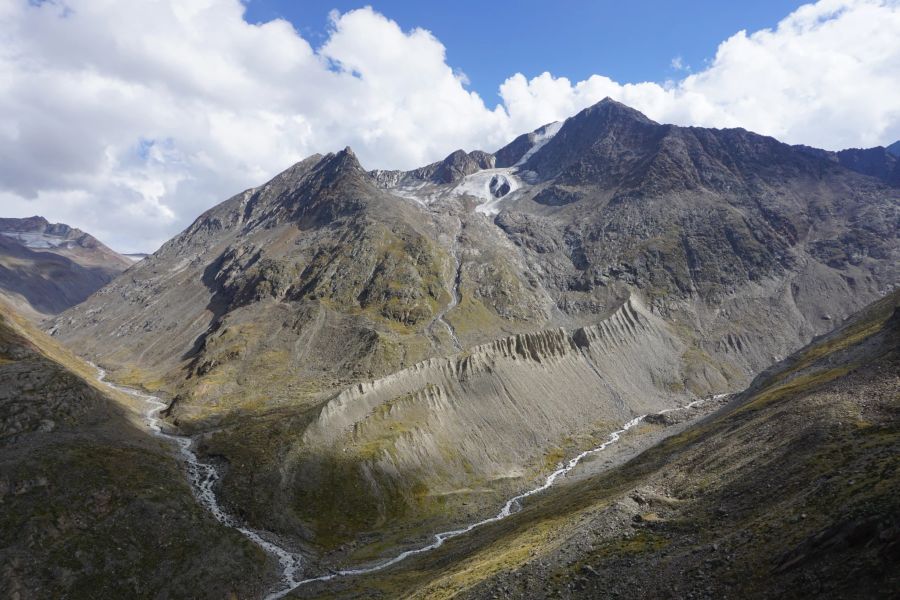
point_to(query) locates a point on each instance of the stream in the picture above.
(454, 294)
(509, 508)
(203, 477)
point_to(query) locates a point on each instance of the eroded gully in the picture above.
(454, 294)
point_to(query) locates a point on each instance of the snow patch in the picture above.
(540, 140)
(415, 192)
(478, 185)
(36, 240)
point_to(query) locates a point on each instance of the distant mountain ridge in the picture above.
(894, 148)
(880, 162)
(46, 268)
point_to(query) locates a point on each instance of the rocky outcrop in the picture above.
(453, 168)
(878, 162)
(499, 186)
(523, 147)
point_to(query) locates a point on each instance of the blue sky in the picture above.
(128, 119)
(626, 41)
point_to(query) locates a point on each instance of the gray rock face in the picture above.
(894, 149)
(499, 186)
(456, 166)
(881, 163)
(513, 153)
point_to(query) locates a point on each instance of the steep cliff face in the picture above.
(879, 162)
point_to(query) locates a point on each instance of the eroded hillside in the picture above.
(787, 491)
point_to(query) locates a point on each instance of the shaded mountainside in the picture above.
(46, 268)
(92, 506)
(351, 337)
(878, 162)
(787, 491)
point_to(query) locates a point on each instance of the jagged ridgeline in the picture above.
(378, 354)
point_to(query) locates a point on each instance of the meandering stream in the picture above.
(203, 478)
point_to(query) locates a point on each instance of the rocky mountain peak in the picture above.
(894, 149)
(38, 232)
(461, 163)
(612, 110)
(603, 133)
(876, 162)
(38, 225)
(454, 167)
(343, 161)
(48, 267)
(35, 223)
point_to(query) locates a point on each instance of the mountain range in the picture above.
(370, 357)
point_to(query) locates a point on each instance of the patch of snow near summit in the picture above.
(36, 240)
(478, 185)
(540, 140)
(416, 192)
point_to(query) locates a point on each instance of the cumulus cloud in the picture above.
(129, 119)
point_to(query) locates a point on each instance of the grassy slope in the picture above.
(92, 506)
(792, 489)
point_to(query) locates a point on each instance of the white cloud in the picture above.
(129, 119)
(678, 64)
